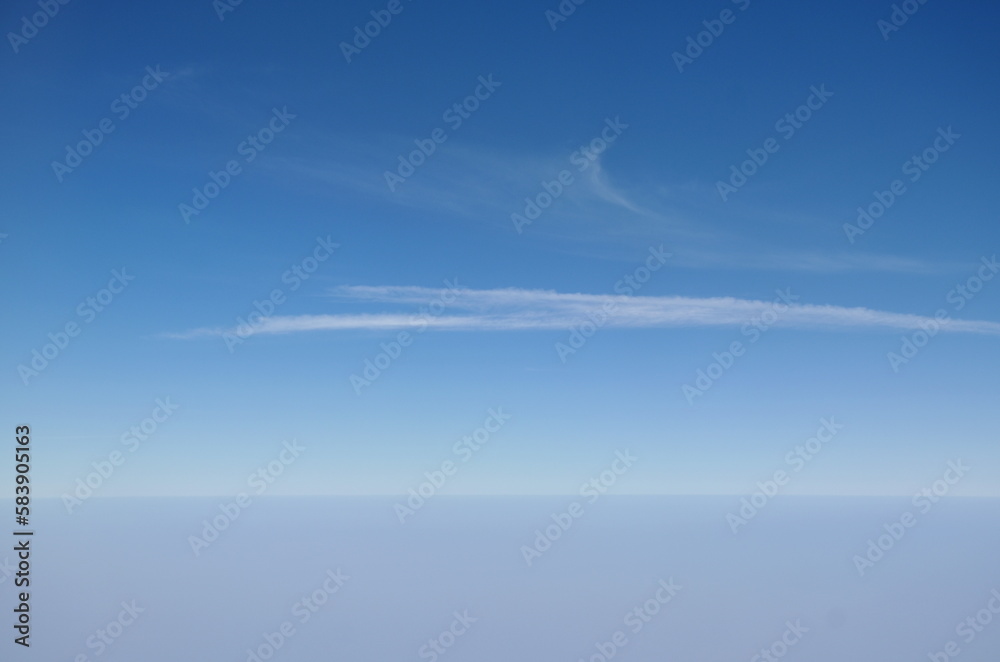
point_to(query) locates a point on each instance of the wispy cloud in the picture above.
(520, 310)
(602, 213)
(767, 259)
(482, 185)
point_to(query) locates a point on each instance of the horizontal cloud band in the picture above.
(460, 309)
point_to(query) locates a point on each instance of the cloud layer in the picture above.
(462, 309)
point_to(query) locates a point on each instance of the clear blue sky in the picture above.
(495, 346)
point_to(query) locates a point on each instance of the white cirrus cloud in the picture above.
(511, 309)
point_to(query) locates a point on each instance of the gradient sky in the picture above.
(323, 176)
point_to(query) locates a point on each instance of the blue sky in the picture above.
(344, 124)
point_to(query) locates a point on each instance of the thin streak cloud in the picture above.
(513, 309)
